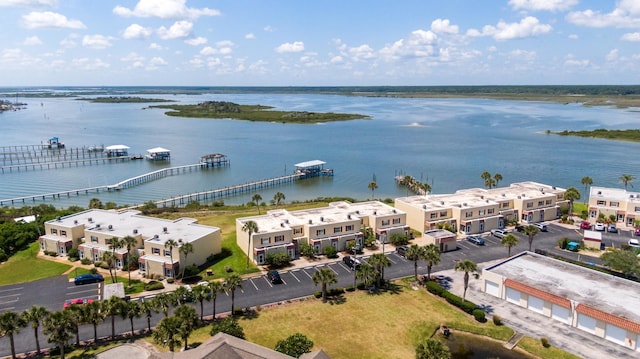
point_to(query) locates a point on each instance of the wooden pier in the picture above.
(151, 176)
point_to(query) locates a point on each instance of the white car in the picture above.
(500, 233)
(599, 227)
(634, 243)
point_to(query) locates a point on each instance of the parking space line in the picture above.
(10, 290)
(294, 276)
(305, 272)
(254, 285)
(10, 296)
(7, 309)
(333, 270)
(267, 280)
(343, 266)
(390, 260)
(81, 291)
(10, 301)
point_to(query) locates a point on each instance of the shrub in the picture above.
(307, 250)
(238, 311)
(497, 320)
(191, 271)
(360, 286)
(335, 291)
(435, 288)
(479, 315)
(104, 265)
(85, 261)
(277, 260)
(153, 285)
(331, 252)
(93, 270)
(228, 269)
(317, 294)
(399, 239)
(545, 342)
(350, 288)
(73, 254)
(228, 326)
(170, 280)
(295, 345)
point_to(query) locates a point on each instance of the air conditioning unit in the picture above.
(164, 229)
(110, 227)
(135, 231)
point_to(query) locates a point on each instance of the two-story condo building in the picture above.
(478, 210)
(336, 225)
(94, 231)
(624, 205)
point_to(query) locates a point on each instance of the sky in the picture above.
(318, 43)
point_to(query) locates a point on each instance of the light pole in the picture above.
(355, 251)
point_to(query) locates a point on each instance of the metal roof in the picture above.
(157, 150)
(117, 147)
(310, 163)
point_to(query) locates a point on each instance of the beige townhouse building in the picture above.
(622, 204)
(336, 225)
(479, 210)
(93, 231)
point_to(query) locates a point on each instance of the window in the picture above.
(143, 267)
(278, 239)
(505, 204)
(385, 222)
(481, 212)
(297, 230)
(107, 241)
(337, 229)
(54, 231)
(529, 204)
(320, 232)
(348, 228)
(155, 250)
(614, 204)
(602, 203)
(265, 240)
(167, 253)
(490, 211)
(396, 221)
(434, 215)
(540, 203)
(636, 209)
(547, 202)
(94, 239)
(63, 233)
(443, 214)
(468, 214)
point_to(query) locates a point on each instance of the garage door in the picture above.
(535, 304)
(560, 313)
(513, 296)
(492, 288)
(616, 334)
(586, 323)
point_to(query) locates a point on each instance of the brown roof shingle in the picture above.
(564, 302)
(609, 318)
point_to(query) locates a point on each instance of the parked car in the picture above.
(476, 240)
(599, 227)
(88, 278)
(612, 228)
(520, 228)
(76, 301)
(402, 250)
(274, 277)
(585, 225)
(636, 232)
(541, 226)
(352, 263)
(500, 233)
(633, 243)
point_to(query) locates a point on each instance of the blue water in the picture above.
(447, 142)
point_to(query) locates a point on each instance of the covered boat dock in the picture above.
(312, 168)
(158, 154)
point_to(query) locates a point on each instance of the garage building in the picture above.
(585, 299)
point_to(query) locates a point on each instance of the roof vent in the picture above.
(164, 229)
(464, 204)
(442, 203)
(357, 211)
(90, 220)
(503, 195)
(98, 225)
(321, 219)
(519, 197)
(75, 221)
(394, 211)
(554, 187)
(481, 197)
(599, 192)
(375, 213)
(348, 216)
(59, 218)
(179, 240)
(310, 221)
(110, 227)
(286, 220)
(155, 236)
(424, 206)
(135, 231)
(282, 224)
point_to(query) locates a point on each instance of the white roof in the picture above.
(157, 150)
(117, 147)
(310, 163)
(592, 235)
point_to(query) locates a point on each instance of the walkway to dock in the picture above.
(62, 164)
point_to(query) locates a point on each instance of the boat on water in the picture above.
(158, 154)
(52, 144)
(97, 148)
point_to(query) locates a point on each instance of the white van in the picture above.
(541, 226)
(634, 243)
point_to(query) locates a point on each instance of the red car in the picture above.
(585, 225)
(636, 232)
(68, 303)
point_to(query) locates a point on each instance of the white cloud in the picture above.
(177, 30)
(29, 3)
(96, 41)
(527, 27)
(207, 51)
(576, 63)
(155, 46)
(573, 36)
(196, 41)
(223, 47)
(36, 20)
(31, 41)
(135, 31)
(290, 47)
(85, 63)
(612, 55)
(443, 26)
(631, 36)
(249, 36)
(132, 57)
(268, 28)
(70, 41)
(547, 5)
(336, 59)
(419, 44)
(156, 61)
(625, 15)
(164, 9)
(522, 55)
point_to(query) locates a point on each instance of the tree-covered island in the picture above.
(223, 109)
(620, 135)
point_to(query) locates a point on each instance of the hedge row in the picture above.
(330, 292)
(467, 306)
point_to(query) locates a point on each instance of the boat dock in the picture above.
(37, 157)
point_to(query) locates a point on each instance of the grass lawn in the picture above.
(533, 346)
(386, 325)
(24, 266)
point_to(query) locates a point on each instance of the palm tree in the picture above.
(215, 287)
(185, 248)
(586, 181)
(379, 261)
(531, 231)
(35, 315)
(372, 186)
(426, 187)
(231, 283)
(486, 176)
(367, 274)
(278, 197)
(497, 178)
(10, 324)
(324, 276)
(166, 332)
(163, 301)
(189, 320)
(509, 241)
(76, 317)
(115, 244)
(465, 266)
(571, 194)
(93, 314)
(107, 257)
(432, 349)
(131, 309)
(432, 256)
(129, 242)
(112, 307)
(171, 244)
(250, 227)
(626, 180)
(149, 306)
(200, 294)
(59, 327)
(407, 181)
(256, 199)
(414, 253)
